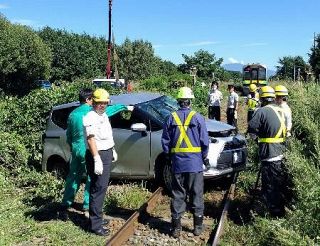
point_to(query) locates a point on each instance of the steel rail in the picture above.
(228, 197)
(127, 230)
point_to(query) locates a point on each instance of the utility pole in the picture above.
(193, 73)
(108, 68)
(294, 73)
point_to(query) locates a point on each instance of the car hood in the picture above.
(218, 126)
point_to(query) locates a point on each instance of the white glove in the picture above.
(236, 114)
(98, 165)
(115, 155)
(288, 134)
(130, 108)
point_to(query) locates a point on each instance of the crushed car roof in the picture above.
(133, 98)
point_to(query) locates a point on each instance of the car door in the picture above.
(133, 148)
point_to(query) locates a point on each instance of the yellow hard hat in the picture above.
(281, 90)
(252, 87)
(185, 93)
(267, 91)
(101, 95)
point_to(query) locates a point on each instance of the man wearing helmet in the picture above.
(185, 142)
(99, 156)
(76, 141)
(268, 123)
(281, 100)
(253, 100)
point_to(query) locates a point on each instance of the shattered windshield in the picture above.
(160, 108)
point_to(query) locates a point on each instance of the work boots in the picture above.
(198, 225)
(176, 228)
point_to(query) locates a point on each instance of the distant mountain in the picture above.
(233, 67)
(238, 68)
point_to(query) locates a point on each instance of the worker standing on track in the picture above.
(185, 142)
(214, 101)
(76, 141)
(99, 156)
(252, 101)
(281, 100)
(232, 107)
(268, 123)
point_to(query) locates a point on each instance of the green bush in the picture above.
(39, 185)
(13, 154)
(27, 115)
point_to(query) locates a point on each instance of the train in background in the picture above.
(254, 74)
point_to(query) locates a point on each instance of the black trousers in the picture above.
(98, 188)
(214, 112)
(275, 186)
(187, 185)
(230, 117)
(249, 115)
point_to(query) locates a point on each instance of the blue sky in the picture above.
(238, 31)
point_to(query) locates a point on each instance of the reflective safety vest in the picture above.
(183, 135)
(253, 102)
(282, 130)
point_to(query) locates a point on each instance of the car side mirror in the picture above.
(138, 127)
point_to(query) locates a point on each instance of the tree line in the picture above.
(27, 55)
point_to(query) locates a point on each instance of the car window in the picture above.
(125, 119)
(60, 116)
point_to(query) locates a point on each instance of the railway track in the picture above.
(127, 230)
(137, 220)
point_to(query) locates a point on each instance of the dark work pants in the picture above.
(184, 184)
(230, 117)
(249, 115)
(214, 112)
(98, 188)
(274, 181)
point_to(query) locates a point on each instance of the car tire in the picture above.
(163, 174)
(59, 169)
(167, 177)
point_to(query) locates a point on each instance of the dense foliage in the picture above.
(294, 68)
(314, 57)
(24, 57)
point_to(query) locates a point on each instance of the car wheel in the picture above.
(167, 177)
(163, 174)
(60, 170)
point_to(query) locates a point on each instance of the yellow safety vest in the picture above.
(183, 135)
(252, 103)
(282, 129)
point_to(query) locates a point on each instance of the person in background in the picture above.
(232, 106)
(99, 156)
(252, 100)
(281, 100)
(214, 101)
(129, 87)
(185, 142)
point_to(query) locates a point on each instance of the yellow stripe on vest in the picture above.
(282, 130)
(183, 135)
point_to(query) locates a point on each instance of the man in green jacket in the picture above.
(75, 139)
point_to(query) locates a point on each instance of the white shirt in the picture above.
(99, 127)
(233, 99)
(215, 97)
(287, 115)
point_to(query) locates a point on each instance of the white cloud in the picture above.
(3, 6)
(254, 44)
(232, 60)
(26, 22)
(157, 46)
(201, 43)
